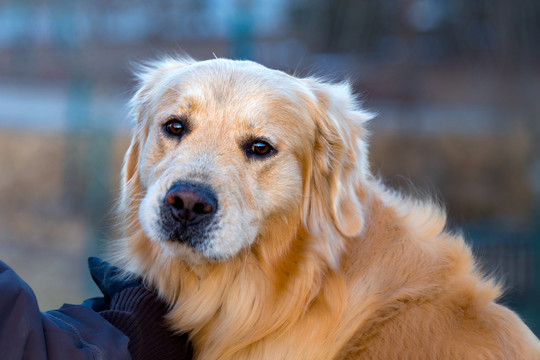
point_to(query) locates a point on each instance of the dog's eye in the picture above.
(260, 148)
(174, 127)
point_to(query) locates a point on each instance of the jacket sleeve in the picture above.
(72, 332)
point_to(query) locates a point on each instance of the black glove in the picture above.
(138, 312)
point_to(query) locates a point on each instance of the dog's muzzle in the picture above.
(188, 211)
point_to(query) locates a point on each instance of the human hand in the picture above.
(138, 312)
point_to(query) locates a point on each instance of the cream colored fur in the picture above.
(314, 258)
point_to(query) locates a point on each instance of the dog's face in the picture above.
(223, 147)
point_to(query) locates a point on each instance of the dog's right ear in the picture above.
(338, 171)
(149, 76)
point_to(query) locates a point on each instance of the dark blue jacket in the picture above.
(72, 332)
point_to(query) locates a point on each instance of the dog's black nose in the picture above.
(191, 202)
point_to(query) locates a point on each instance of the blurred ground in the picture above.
(46, 228)
(41, 238)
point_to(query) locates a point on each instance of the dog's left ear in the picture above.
(339, 166)
(149, 76)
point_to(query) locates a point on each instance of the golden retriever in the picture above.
(248, 202)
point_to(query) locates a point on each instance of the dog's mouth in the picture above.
(192, 223)
(183, 232)
(188, 214)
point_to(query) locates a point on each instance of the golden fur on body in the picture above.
(312, 258)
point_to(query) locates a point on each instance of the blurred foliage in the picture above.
(439, 29)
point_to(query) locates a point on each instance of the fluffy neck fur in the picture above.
(241, 308)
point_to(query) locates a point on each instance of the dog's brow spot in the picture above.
(184, 108)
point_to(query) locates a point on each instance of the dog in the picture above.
(248, 203)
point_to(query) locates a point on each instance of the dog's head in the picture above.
(225, 151)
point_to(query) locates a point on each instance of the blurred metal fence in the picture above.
(513, 257)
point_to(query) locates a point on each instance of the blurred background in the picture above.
(455, 84)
